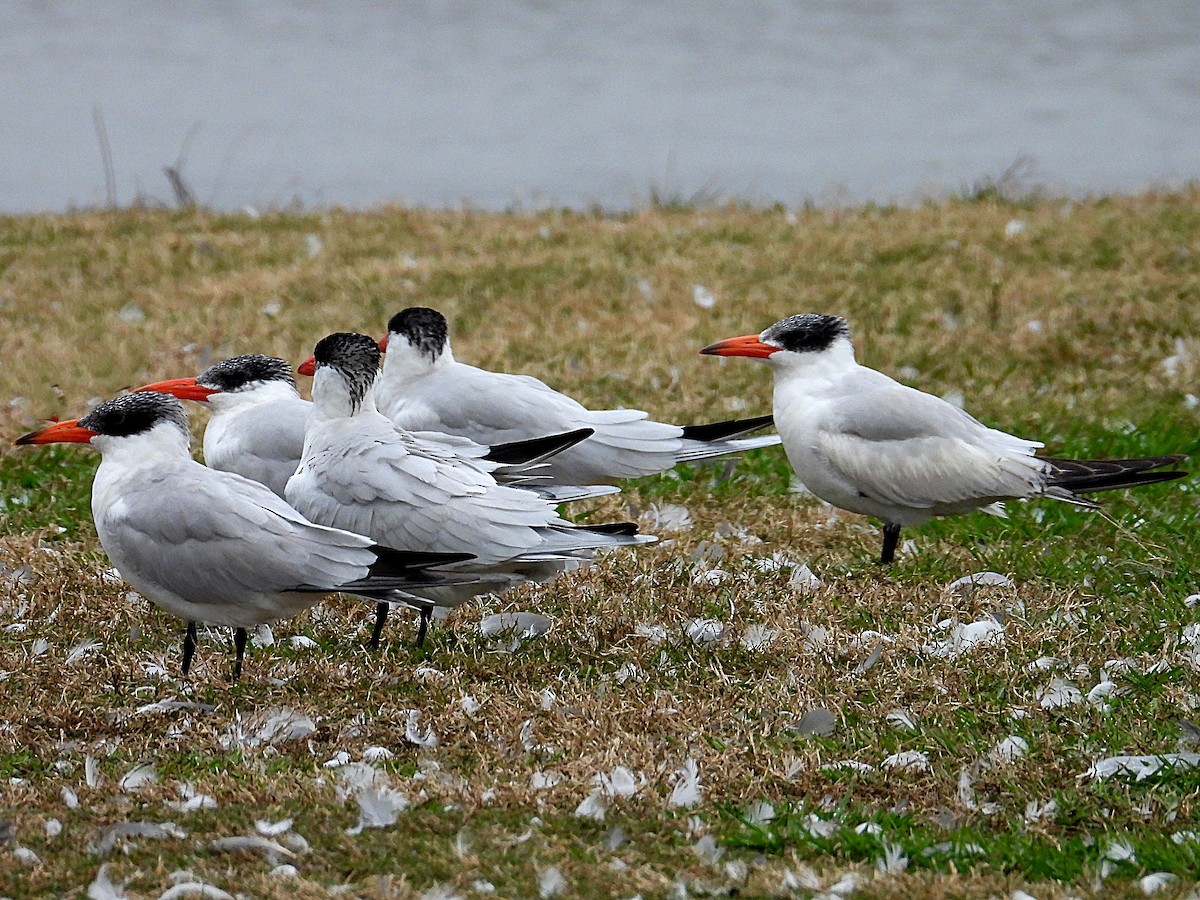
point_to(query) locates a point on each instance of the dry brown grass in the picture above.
(603, 308)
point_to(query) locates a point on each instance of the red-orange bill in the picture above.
(183, 388)
(308, 367)
(68, 432)
(746, 345)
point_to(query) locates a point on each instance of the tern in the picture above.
(362, 472)
(257, 429)
(210, 546)
(868, 444)
(423, 387)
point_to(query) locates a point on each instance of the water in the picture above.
(571, 103)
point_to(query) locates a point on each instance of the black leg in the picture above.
(239, 645)
(381, 614)
(891, 537)
(189, 646)
(426, 612)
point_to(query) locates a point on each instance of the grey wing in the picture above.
(496, 408)
(403, 494)
(626, 444)
(902, 446)
(223, 539)
(263, 443)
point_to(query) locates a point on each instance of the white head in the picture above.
(418, 339)
(345, 366)
(233, 380)
(142, 420)
(792, 342)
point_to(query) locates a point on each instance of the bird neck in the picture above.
(827, 365)
(266, 392)
(165, 441)
(404, 362)
(332, 398)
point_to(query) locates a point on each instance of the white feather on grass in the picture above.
(704, 631)
(893, 861)
(1058, 694)
(620, 782)
(139, 777)
(966, 637)
(1156, 881)
(760, 812)
(551, 883)
(759, 637)
(969, 583)
(426, 741)
(102, 887)
(378, 808)
(269, 726)
(592, 807)
(272, 829)
(82, 651)
(906, 761)
(200, 889)
(669, 517)
(686, 792)
(1035, 811)
(1008, 750)
(273, 851)
(469, 705)
(190, 800)
(1140, 767)
(544, 781)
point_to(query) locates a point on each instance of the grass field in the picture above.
(763, 732)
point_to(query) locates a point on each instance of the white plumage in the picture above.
(258, 421)
(362, 472)
(211, 546)
(423, 387)
(865, 443)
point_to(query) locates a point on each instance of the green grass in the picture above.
(937, 296)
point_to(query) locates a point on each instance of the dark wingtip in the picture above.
(1082, 476)
(413, 559)
(517, 452)
(618, 528)
(721, 431)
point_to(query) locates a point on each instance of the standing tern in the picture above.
(868, 444)
(257, 429)
(362, 472)
(423, 387)
(210, 546)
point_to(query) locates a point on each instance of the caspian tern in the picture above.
(423, 387)
(362, 472)
(868, 444)
(257, 429)
(210, 546)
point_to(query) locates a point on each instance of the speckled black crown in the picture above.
(355, 356)
(134, 414)
(239, 372)
(809, 332)
(423, 328)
